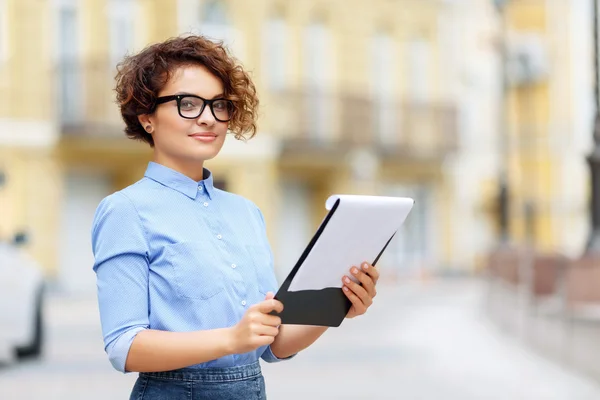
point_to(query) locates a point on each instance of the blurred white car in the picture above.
(21, 303)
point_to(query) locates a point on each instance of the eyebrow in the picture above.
(192, 94)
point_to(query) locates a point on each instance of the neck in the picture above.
(192, 169)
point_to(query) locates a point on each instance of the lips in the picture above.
(204, 135)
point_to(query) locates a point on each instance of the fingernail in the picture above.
(345, 289)
(346, 279)
(355, 270)
(366, 266)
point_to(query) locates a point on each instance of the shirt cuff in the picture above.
(269, 357)
(119, 349)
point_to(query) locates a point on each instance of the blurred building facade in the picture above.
(28, 128)
(549, 111)
(384, 97)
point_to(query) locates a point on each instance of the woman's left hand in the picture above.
(361, 296)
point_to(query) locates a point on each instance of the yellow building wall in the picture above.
(34, 189)
(31, 195)
(531, 168)
(28, 69)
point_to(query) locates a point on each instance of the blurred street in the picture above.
(486, 113)
(423, 340)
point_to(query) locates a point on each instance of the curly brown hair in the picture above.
(141, 76)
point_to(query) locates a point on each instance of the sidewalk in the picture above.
(430, 341)
(418, 342)
(572, 342)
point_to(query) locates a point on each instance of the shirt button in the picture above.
(219, 237)
(233, 266)
(200, 188)
(205, 204)
(243, 302)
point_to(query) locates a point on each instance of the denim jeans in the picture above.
(242, 382)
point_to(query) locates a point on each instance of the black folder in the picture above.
(325, 307)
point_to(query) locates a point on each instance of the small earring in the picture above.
(149, 128)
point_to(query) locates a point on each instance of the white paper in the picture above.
(357, 232)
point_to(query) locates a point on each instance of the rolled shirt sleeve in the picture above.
(121, 251)
(269, 357)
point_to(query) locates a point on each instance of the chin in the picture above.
(202, 155)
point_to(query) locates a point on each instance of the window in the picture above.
(411, 248)
(215, 23)
(121, 29)
(419, 62)
(317, 48)
(71, 74)
(214, 12)
(274, 54)
(210, 18)
(3, 31)
(187, 15)
(383, 69)
(317, 65)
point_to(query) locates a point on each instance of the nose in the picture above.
(206, 117)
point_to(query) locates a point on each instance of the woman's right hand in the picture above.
(257, 327)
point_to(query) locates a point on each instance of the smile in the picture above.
(205, 137)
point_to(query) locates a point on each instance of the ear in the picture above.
(146, 122)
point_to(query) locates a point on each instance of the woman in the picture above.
(184, 270)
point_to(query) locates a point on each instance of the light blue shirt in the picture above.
(178, 255)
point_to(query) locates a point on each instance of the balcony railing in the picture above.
(338, 123)
(307, 123)
(86, 99)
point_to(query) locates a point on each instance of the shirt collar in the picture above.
(178, 181)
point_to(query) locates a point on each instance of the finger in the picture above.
(265, 330)
(366, 281)
(258, 317)
(270, 295)
(356, 302)
(372, 271)
(270, 320)
(359, 291)
(267, 306)
(264, 340)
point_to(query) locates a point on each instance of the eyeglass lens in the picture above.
(192, 107)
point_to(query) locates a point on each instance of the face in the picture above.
(181, 143)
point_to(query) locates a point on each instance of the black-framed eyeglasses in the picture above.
(191, 106)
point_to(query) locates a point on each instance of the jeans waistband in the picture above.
(225, 374)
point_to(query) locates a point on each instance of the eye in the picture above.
(187, 103)
(220, 105)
